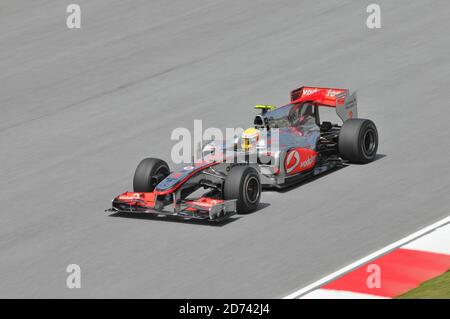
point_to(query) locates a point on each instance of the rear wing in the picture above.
(341, 99)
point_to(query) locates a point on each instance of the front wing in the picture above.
(203, 208)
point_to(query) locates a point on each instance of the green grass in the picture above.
(436, 288)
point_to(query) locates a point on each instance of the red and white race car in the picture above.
(286, 145)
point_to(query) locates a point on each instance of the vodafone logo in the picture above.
(310, 91)
(332, 93)
(130, 197)
(290, 164)
(310, 161)
(206, 204)
(329, 92)
(299, 160)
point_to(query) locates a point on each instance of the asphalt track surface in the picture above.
(80, 108)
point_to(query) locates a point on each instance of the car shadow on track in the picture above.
(377, 157)
(187, 221)
(312, 179)
(261, 206)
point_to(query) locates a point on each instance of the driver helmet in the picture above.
(250, 139)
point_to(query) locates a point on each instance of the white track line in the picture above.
(338, 294)
(437, 242)
(366, 259)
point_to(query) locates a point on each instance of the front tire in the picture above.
(358, 141)
(243, 183)
(149, 173)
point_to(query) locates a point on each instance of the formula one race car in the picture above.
(286, 145)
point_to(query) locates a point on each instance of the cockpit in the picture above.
(291, 115)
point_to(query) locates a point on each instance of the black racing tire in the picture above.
(243, 183)
(358, 141)
(148, 174)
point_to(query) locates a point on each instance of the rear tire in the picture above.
(358, 141)
(243, 183)
(149, 173)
